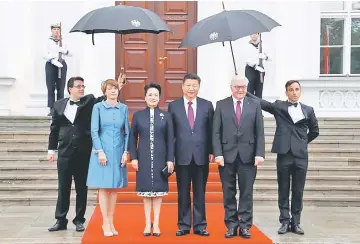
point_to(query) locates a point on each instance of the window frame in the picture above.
(347, 14)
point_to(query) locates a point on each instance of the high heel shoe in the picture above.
(148, 233)
(113, 230)
(154, 233)
(107, 233)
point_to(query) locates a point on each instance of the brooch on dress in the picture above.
(162, 116)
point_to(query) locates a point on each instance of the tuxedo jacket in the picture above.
(289, 135)
(67, 137)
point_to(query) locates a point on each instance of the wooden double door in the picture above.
(157, 58)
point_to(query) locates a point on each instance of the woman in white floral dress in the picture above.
(151, 147)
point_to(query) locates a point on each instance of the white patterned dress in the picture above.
(150, 193)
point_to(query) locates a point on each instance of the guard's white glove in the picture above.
(262, 56)
(258, 68)
(56, 63)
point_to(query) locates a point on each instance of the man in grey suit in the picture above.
(239, 147)
(192, 119)
(296, 126)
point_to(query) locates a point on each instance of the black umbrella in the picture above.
(228, 26)
(121, 20)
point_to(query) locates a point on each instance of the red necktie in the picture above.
(191, 115)
(238, 112)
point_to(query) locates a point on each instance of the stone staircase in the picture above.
(27, 178)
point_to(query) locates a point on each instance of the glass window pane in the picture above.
(355, 31)
(332, 6)
(331, 60)
(332, 31)
(355, 60)
(355, 5)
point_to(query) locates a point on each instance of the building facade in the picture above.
(318, 43)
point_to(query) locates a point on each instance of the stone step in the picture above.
(43, 143)
(51, 178)
(44, 135)
(310, 190)
(346, 152)
(268, 168)
(318, 160)
(259, 199)
(321, 120)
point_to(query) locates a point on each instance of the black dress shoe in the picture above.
(156, 234)
(182, 232)
(231, 233)
(244, 233)
(59, 225)
(284, 228)
(295, 228)
(79, 227)
(201, 232)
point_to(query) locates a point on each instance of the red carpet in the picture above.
(130, 223)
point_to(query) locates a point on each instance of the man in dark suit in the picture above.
(70, 136)
(239, 147)
(192, 117)
(296, 126)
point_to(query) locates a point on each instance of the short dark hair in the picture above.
(152, 85)
(290, 82)
(71, 81)
(191, 76)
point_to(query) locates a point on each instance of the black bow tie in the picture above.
(77, 103)
(292, 104)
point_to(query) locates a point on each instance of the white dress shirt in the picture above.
(251, 54)
(296, 113)
(193, 105)
(53, 49)
(235, 104)
(70, 113)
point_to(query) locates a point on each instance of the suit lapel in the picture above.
(245, 110)
(199, 107)
(303, 110)
(232, 111)
(83, 103)
(63, 106)
(286, 112)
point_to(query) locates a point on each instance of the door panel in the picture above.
(157, 58)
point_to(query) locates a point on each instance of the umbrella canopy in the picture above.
(121, 19)
(228, 25)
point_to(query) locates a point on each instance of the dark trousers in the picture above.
(77, 166)
(246, 178)
(53, 82)
(296, 168)
(255, 87)
(197, 175)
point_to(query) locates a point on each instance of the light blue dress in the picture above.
(110, 131)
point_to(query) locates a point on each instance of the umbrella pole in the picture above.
(92, 36)
(232, 53)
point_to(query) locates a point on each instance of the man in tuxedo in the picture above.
(239, 147)
(192, 118)
(296, 126)
(70, 136)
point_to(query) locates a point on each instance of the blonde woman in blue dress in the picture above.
(110, 131)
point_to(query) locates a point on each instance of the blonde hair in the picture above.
(107, 82)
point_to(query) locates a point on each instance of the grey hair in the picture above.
(237, 78)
